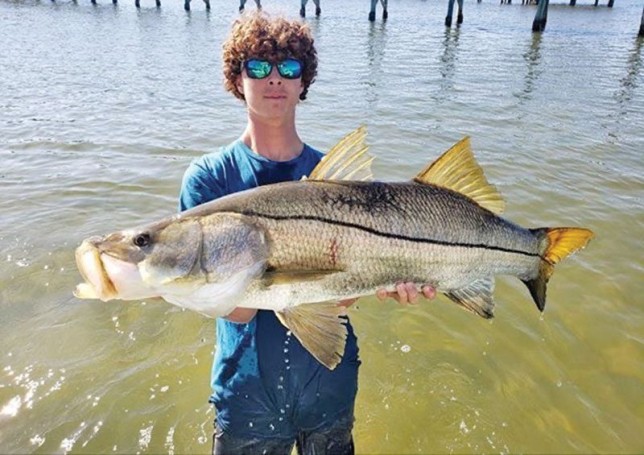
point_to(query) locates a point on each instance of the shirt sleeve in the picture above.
(200, 185)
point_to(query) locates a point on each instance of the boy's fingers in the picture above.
(382, 294)
(401, 289)
(429, 291)
(412, 293)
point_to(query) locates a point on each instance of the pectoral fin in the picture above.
(320, 329)
(214, 299)
(476, 297)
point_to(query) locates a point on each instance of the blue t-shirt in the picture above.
(265, 384)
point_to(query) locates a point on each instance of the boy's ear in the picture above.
(240, 85)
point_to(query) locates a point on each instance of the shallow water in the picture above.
(103, 107)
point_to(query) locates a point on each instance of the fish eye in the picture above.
(142, 240)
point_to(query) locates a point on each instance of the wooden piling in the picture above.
(137, 3)
(450, 11)
(242, 5)
(186, 4)
(372, 11)
(318, 10)
(641, 33)
(539, 23)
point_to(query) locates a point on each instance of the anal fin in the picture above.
(476, 297)
(320, 329)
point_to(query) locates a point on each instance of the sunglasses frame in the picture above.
(271, 65)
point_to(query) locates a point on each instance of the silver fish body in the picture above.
(356, 237)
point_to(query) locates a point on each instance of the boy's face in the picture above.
(272, 97)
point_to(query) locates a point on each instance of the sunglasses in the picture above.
(288, 68)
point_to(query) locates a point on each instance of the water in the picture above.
(103, 107)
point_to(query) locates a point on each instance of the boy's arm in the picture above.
(241, 315)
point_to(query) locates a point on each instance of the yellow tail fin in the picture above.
(557, 244)
(565, 241)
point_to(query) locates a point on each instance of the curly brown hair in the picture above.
(272, 38)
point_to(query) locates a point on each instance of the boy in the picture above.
(269, 392)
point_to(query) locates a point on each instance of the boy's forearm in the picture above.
(241, 315)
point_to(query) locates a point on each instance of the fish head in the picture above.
(140, 263)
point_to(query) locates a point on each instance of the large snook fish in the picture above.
(298, 247)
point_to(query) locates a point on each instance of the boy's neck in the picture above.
(277, 141)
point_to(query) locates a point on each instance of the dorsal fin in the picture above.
(458, 170)
(347, 160)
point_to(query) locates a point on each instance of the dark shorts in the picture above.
(334, 441)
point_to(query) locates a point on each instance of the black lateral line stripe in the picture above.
(387, 234)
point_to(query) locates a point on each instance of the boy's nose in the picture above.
(274, 77)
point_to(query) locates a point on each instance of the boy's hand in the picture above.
(405, 293)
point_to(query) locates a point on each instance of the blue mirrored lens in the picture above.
(258, 69)
(290, 68)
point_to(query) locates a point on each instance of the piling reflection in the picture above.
(624, 94)
(629, 82)
(448, 60)
(532, 57)
(376, 44)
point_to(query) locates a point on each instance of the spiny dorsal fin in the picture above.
(347, 160)
(320, 329)
(476, 297)
(458, 170)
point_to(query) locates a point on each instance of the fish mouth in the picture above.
(98, 284)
